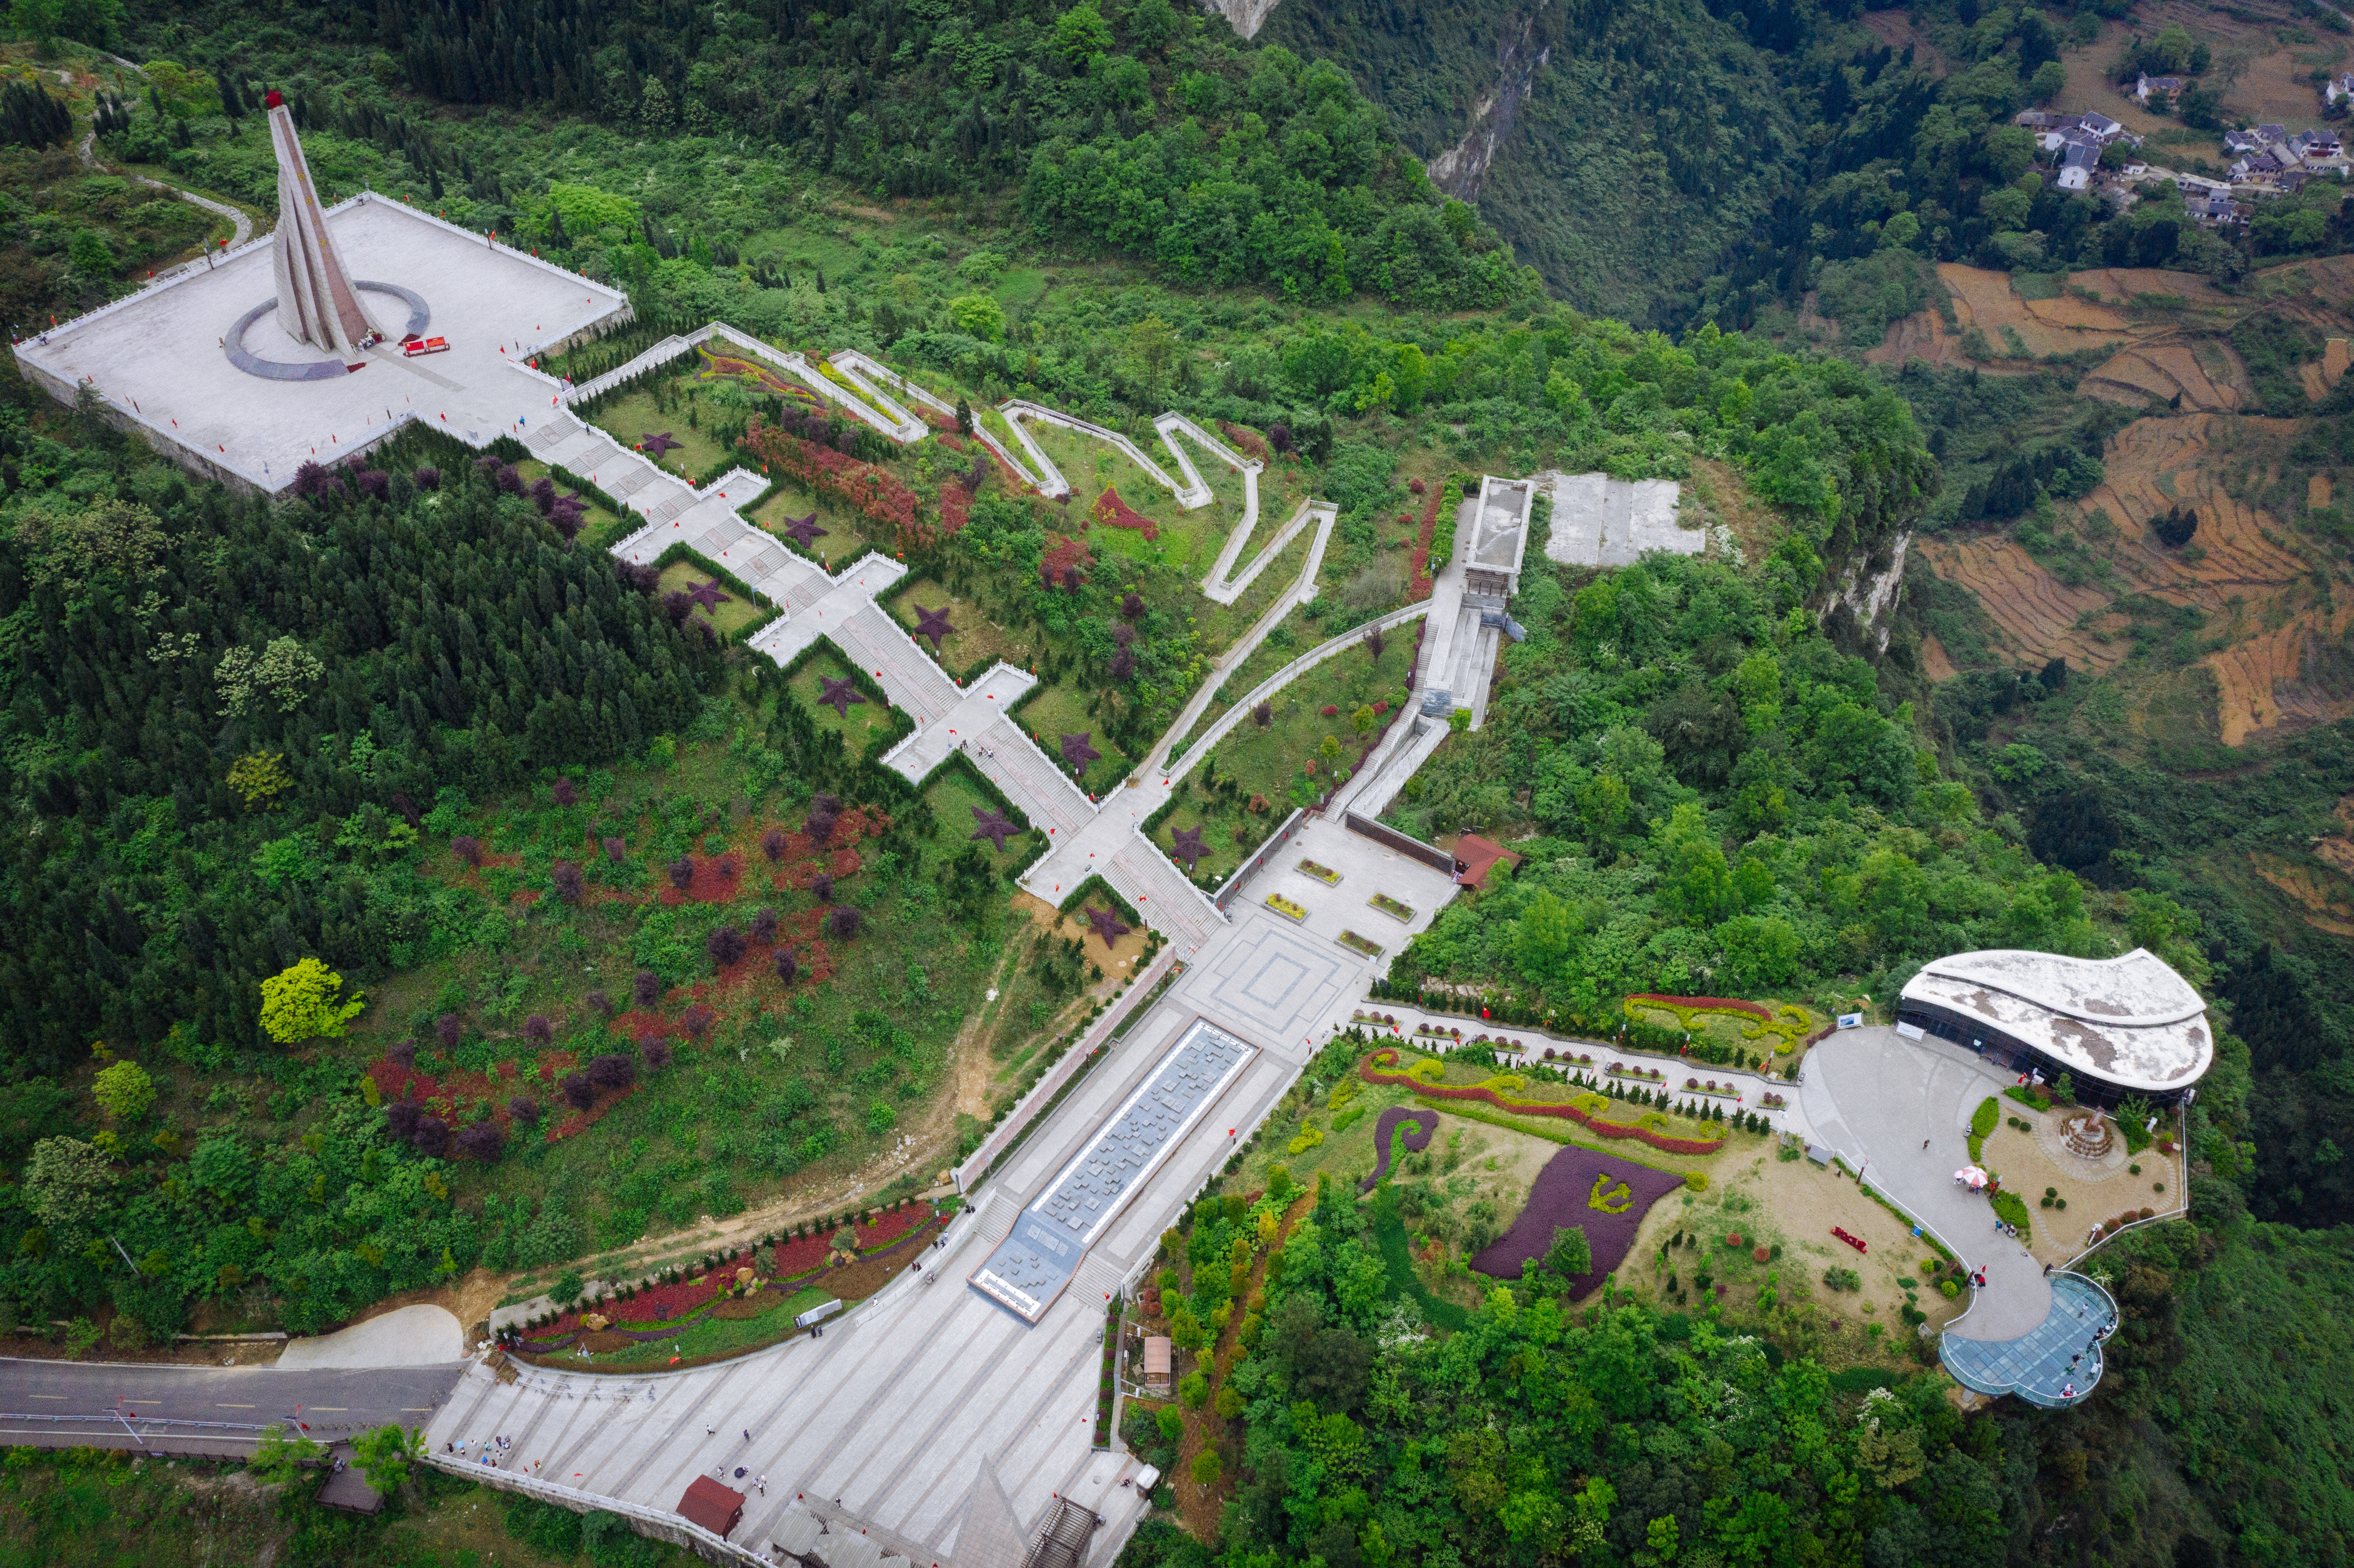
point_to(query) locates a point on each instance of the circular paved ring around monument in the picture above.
(419, 315)
(1872, 1095)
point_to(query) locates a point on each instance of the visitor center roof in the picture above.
(2130, 1021)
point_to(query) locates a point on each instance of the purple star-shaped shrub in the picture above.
(839, 695)
(801, 530)
(934, 624)
(1187, 847)
(1107, 926)
(1078, 753)
(707, 595)
(656, 445)
(990, 824)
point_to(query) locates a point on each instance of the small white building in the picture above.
(2077, 161)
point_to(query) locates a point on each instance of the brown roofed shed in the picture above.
(1479, 856)
(716, 1507)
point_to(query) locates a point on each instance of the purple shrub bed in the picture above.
(1564, 1194)
(1422, 1126)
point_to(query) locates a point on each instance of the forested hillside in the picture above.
(230, 722)
(412, 726)
(1667, 162)
(1634, 147)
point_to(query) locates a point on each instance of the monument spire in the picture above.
(317, 301)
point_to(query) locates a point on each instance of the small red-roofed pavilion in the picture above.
(1478, 856)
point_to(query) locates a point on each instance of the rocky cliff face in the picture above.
(1860, 609)
(1457, 170)
(1245, 16)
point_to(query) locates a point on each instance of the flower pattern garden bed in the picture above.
(1391, 906)
(1286, 908)
(1364, 945)
(1323, 873)
(1424, 1079)
(1605, 1195)
(664, 1312)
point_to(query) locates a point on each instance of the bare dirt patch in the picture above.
(2327, 904)
(1986, 301)
(1895, 29)
(2034, 613)
(1934, 660)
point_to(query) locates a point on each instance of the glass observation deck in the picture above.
(2056, 1365)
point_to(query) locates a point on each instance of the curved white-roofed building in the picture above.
(2117, 1026)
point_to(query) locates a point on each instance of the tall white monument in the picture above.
(317, 301)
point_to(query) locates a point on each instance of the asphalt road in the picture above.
(332, 1403)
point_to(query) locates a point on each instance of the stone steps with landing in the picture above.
(978, 707)
(1045, 794)
(882, 646)
(1168, 903)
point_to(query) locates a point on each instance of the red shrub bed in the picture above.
(1420, 589)
(879, 497)
(718, 879)
(1113, 512)
(1250, 443)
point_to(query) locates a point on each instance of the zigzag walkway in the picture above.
(843, 609)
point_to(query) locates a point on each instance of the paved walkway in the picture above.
(404, 1337)
(1790, 1117)
(1873, 1096)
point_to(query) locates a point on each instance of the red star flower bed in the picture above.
(1113, 512)
(1580, 1187)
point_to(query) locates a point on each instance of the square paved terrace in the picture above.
(158, 356)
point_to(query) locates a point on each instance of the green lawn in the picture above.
(636, 415)
(975, 637)
(866, 725)
(952, 797)
(1269, 760)
(1059, 711)
(1021, 286)
(846, 536)
(730, 617)
(1188, 540)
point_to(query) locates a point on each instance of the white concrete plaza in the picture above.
(158, 356)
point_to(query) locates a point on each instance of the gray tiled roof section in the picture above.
(1035, 1261)
(1092, 1186)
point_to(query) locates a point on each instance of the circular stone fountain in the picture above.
(2086, 1135)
